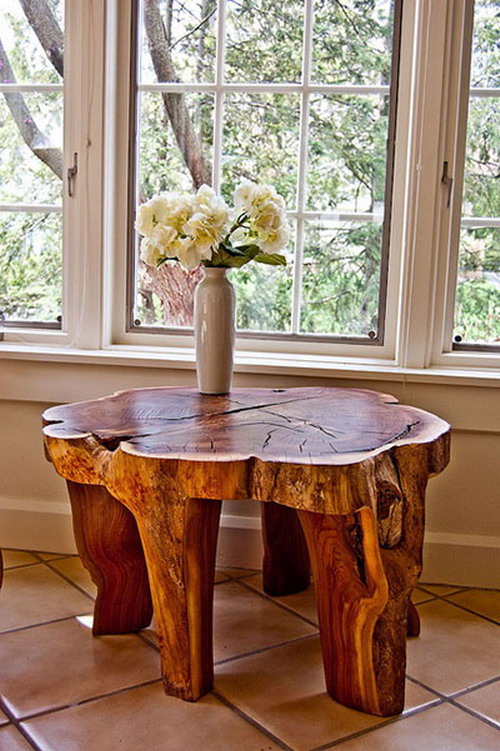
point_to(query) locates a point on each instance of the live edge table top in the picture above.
(256, 429)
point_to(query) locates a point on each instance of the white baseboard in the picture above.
(469, 560)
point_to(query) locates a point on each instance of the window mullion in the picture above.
(219, 95)
(302, 166)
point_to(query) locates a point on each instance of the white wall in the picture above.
(463, 519)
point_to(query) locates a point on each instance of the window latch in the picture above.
(72, 173)
(447, 180)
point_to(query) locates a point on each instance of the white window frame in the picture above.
(84, 27)
(96, 220)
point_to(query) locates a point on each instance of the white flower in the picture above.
(150, 254)
(244, 194)
(274, 241)
(163, 237)
(144, 222)
(267, 217)
(189, 254)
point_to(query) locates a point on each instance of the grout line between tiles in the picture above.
(281, 605)
(43, 623)
(265, 649)
(68, 580)
(475, 687)
(475, 714)
(90, 699)
(382, 724)
(474, 612)
(17, 724)
(243, 715)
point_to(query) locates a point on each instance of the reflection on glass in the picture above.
(22, 57)
(347, 152)
(178, 40)
(260, 142)
(341, 276)
(164, 157)
(264, 40)
(352, 42)
(30, 266)
(486, 44)
(31, 173)
(477, 313)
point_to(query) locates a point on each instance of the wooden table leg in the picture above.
(365, 570)
(286, 567)
(179, 536)
(110, 549)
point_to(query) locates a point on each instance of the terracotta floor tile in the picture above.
(283, 689)
(303, 602)
(442, 728)
(75, 570)
(34, 594)
(485, 701)
(159, 723)
(483, 601)
(244, 622)
(12, 740)
(17, 558)
(62, 663)
(455, 649)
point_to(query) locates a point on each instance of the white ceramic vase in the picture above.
(214, 329)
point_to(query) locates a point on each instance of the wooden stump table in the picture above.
(341, 473)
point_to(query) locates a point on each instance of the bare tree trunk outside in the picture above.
(31, 134)
(44, 24)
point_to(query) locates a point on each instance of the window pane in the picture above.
(486, 44)
(27, 60)
(482, 188)
(352, 41)
(263, 296)
(336, 162)
(30, 266)
(178, 40)
(347, 153)
(30, 148)
(341, 278)
(477, 316)
(477, 309)
(264, 40)
(260, 142)
(31, 161)
(162, 165)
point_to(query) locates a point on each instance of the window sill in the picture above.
(282, 364)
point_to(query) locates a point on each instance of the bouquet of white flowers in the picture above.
(195, 229)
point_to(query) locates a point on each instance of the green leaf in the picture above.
(273, 259)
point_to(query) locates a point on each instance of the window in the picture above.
(31, 164)
(477, 298)
(296, 94)
(376, 119)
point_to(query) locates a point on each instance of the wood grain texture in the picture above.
(180, 540)
(285, 568)
(110, 549)
(353, 464)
